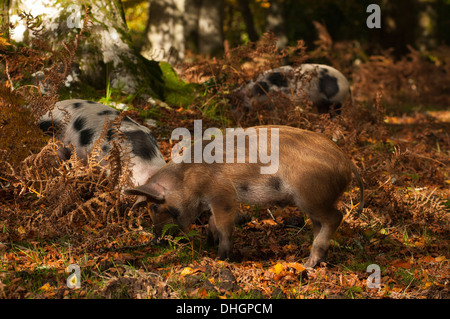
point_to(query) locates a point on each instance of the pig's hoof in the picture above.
(312, 262)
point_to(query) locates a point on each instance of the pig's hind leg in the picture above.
(325, 224)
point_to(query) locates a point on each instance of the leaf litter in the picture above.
(54, 214)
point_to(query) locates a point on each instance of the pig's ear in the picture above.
(152, 190)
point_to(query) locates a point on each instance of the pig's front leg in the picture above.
(222, 225)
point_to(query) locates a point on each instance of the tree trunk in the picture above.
(165, 31)
(275, 22)
(106, 51)
(192, 12)
(399, 20)
(4, 18)
(248, 20)
(427, 27)
(210, 30)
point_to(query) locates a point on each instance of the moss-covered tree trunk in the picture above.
(106, 52)
(4, 18)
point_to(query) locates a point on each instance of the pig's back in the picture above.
(309, 165)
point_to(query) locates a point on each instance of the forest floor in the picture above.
(403, 231)
(66, 227)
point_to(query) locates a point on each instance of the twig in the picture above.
(7, 74)
(428, 158)
(28, 187)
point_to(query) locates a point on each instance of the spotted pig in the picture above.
(320, 84)
(81, 122)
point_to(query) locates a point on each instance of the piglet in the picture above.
(304, 169)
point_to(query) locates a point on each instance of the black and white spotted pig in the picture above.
(84, 121)
(321, 84)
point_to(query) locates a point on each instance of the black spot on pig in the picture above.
(109, 134)
(105, 148)
(144, 144)
(49, 127)
(86, 136)
(328, 85)
(275, 183)
(79, 123)
(278, 79)
(260, 88)
(77, 105)
(105, 112)
(91, 102)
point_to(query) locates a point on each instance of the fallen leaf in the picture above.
(419, 243)
(187, 271)
(203, 292)
(21, 230)
(269, 222)
(277, 269)
(194, 292)
(46, 287)
(440, 258)
(296, 266)
(429, 259)
(402, 264)
(428, 284)
(3, 43)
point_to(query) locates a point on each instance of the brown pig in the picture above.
(307, 170)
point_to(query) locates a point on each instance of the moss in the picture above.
(176, 91)
(79, 90)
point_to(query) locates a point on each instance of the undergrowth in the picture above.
(75, 212)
